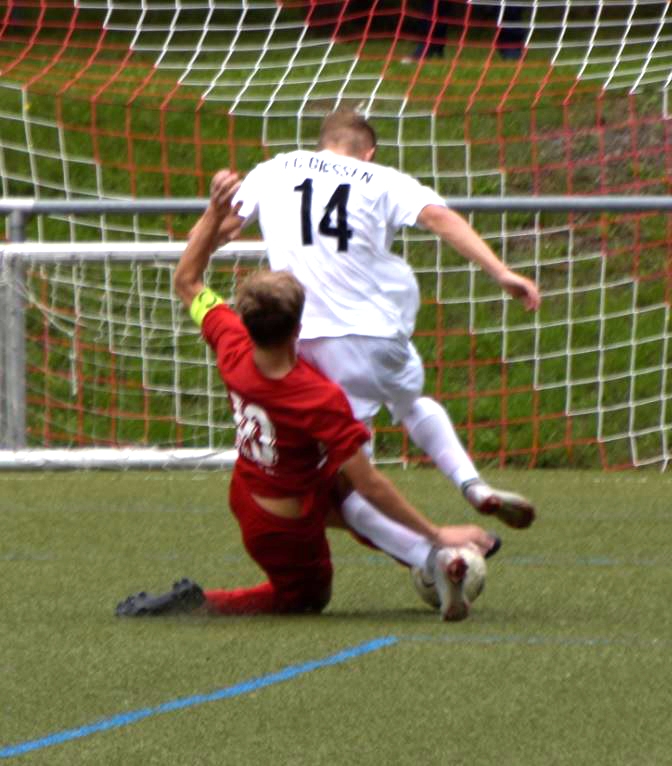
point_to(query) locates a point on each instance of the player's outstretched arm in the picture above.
(383, 495)
(453, 229)
(188, 277)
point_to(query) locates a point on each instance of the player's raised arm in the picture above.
(188, 277)
(453, 229)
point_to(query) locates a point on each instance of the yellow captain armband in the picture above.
(202, 303)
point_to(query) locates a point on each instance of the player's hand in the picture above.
(455, 536)
(223, 187)
(521, 288)
(229, 228)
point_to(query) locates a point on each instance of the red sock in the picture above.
(261, 599)
(269, 599)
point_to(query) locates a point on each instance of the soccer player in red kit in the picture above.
(330, 216)
(299, 451)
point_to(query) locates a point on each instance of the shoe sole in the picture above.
(456, 606)
(511, 510)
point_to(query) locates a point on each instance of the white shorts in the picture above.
(371, 371)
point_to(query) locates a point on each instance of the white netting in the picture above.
(131, 99)
(146, 98)
(112, 359)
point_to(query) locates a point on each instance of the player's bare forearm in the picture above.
(455, 231)
(383, 495)
(188, 277)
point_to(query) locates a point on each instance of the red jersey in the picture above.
(292, 433)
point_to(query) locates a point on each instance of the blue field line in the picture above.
(133, 716)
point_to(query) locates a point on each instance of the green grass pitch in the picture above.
(564, 660)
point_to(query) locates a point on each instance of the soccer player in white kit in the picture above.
(330, 216)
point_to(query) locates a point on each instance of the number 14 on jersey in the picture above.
(334, 222)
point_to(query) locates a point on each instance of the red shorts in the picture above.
(294, 553)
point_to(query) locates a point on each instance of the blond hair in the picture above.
(347, 128)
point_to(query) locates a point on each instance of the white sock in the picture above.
(393, 538)
(430, 427)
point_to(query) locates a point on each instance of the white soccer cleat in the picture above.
(512, 509)
(450, 571)
(457, 588)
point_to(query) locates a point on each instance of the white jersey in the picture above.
(331, 220)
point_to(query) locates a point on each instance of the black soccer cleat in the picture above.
(185, 596)
(494, 548)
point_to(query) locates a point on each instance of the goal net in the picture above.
(146, 99)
